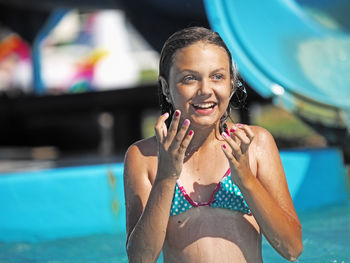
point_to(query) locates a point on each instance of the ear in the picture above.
(164, 86)
(165, 89)
(233, 89)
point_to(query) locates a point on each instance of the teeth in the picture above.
(204, 105)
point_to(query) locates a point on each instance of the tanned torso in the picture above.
(206, 234)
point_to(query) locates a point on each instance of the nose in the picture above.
(205, 87)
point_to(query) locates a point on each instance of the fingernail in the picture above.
(226, 130)
(232, 130)
(166, 114)
(186, 122)
(224, 135)
(177, 113)
(240, 125)
(190, 133)
(224, 146)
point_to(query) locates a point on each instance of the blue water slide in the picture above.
(283, 52)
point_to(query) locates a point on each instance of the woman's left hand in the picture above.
(236, 150)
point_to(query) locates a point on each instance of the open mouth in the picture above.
(204, 106)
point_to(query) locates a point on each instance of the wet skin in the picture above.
(200, 84)
(193, 150)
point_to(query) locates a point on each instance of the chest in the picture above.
(200, 178)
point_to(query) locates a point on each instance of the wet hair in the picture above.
(185, 38)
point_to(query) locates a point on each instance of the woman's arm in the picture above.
(147, 205)
(267, 194)
(147, 209)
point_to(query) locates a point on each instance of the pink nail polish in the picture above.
(224, 146)
(232, 130)
(166, 114)
(240, 125)
(177, 113)
(186, 122)
(190, 133)
(224, 135)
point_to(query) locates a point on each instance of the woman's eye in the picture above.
(188, 78)
(218, 77)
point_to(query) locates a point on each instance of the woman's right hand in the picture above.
(172, 145)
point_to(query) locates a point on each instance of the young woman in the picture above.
(201, 190)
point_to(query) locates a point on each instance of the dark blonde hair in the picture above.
(182, 39)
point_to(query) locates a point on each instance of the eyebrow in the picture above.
(193, 71)
(187, 70)
(219, 69)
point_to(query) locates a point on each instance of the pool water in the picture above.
(326, 238)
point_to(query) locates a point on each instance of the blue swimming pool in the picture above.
(326, 238)
(77, 214)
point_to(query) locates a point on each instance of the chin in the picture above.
(204, 122)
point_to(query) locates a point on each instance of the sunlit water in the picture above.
(326, 238)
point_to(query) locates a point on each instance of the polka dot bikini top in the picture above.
(226, 195)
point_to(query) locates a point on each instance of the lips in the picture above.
(204, 106)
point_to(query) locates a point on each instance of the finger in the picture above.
(186, 141)
(229, 155)
(227, 131)
(232, 135)
(173, 127)
(243, 137)
(180, 135)
(236, 150)
(248, 131)
(160, 127)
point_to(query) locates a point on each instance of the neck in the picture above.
(202, 138)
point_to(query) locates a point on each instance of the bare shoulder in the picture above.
(143, 148)
(263, 139)
(266, 153)
(140, 158)
(261, 134)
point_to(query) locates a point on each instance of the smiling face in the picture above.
(200, 83)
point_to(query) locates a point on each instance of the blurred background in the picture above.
(78, 81)
(78, 85)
